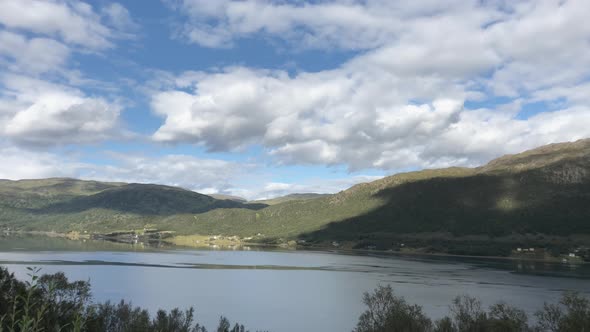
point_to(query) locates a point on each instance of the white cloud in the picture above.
(73, 22)
(119, 17)
(326, 24)
(61, 119)
(37, 38)
(37, 113)
(179, 170)
(315, 25)
(67, 22)
(311, 185)
(199, 174)
(398, 104)
(35, 55)
(361, 118)
(22, 164)
(207, 176)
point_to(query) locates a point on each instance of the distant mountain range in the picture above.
(541, 191)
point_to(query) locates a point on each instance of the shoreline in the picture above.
(188, 241)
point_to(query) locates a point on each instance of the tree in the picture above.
(467, 314)
(571, 314)
(387, 312)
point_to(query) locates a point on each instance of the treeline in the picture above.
(387, 312)
(51, 302)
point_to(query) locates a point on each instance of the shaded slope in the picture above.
(118, 206)
(545, 190)
(145, 199)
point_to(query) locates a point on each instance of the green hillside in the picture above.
(63, 205)
(542, 191)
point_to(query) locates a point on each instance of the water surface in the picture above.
(286, 290)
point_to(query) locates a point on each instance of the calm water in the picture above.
(285, 290)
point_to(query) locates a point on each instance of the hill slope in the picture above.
(545, 190)
(61, 204)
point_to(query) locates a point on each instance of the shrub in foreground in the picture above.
(50, 303)
(387, 312)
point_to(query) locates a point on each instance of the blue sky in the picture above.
(264, 98)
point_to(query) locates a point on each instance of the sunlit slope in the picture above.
(545, 190)
(65, 204)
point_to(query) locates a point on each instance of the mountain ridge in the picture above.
(541, 191)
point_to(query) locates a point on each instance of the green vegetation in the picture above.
(538, 198)
(53, 303)
(387, 312)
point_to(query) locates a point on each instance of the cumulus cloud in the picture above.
(41, 114)
(74, 22)
(399, 103)
(180, 170)
(35, 55)
(119, 17)
(190, 172)
(351, 117)
(37, 38)
(208, 176)
(22, 164)
(325, 24)
(62, 118)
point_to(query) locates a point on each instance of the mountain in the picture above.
(545, 191)
(291, 197)
(63, 204)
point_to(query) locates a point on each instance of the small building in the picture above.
(572, 254)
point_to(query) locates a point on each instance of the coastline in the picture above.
(217, 242)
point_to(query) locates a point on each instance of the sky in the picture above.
(263, 98)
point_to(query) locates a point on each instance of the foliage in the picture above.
(571, 314)
(52, 303)
(388, 312)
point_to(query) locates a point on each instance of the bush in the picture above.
(51, 303)
(571, 314)
(388, 312)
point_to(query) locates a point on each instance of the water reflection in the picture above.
(286, 290)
